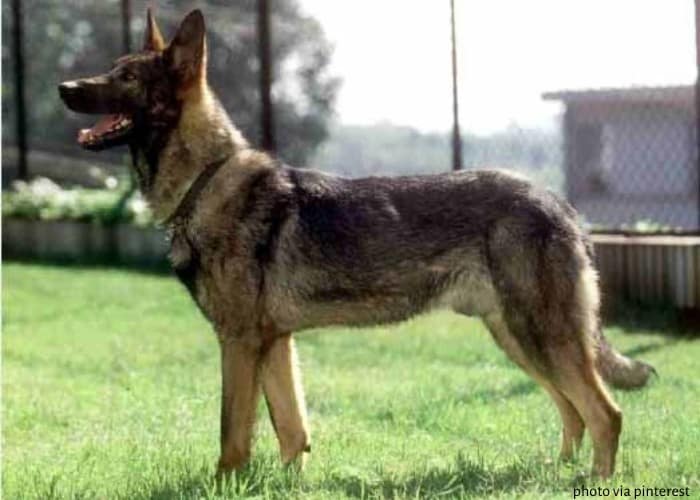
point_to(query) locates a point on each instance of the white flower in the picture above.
(111, 182)
(137, 205)
(43, 187)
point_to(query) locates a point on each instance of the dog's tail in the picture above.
(620, 371)
(616, 369)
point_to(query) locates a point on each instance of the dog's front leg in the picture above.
(240, 390)
(285, 400)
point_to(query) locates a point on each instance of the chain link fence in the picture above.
(625, 157)
(68, 39)
(630, 157)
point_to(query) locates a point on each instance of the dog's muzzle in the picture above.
(89, 95)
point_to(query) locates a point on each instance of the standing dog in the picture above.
(266, 250)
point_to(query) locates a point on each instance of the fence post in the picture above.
(126, 26)
(267, 119)
(697, 104)
(456, 137)
(18, 55)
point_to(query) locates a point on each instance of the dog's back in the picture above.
(402, 245)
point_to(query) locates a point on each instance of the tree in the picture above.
(67, 39)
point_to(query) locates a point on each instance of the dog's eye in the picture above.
(127, 76)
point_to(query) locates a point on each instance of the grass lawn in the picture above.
(110, 384)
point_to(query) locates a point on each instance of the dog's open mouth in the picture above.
(109, 130)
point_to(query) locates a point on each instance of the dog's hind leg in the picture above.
(575, 376)
(548, 302)
(572, 423)
(284, 394)
(571, 317)
(240, 391)
(576, 388)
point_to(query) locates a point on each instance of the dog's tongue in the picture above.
(104, 125)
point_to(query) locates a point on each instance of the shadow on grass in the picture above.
(636, 318)
(513, 391)
(188, 488)
(646, 348)
(262, 477)
(464, 477)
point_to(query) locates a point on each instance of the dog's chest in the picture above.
(217, 278)
(190, 266)
(186, 261)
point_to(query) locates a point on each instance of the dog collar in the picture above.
(184, 209)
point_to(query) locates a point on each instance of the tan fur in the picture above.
(202, 134)
(266, 250)
(153, 39)
(573, 426)
(240, 391)
(281, 382)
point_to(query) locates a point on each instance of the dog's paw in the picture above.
(297, 461)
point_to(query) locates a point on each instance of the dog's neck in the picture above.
(204, 134)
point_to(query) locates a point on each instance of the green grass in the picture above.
(111, 390)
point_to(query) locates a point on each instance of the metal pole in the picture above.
(18, 54)
(697, 102)
(126, 26)
(266, 119)
(456, 137)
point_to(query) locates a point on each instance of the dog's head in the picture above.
(140, 97)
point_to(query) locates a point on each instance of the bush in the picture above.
(42, 199)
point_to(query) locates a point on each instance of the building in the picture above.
(630, 156)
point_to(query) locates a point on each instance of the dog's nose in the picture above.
(66, 88)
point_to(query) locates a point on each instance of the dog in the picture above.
(266, 250)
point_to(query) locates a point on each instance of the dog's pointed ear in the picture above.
(152, 39)
(187, 53)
